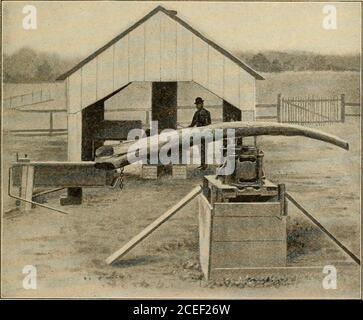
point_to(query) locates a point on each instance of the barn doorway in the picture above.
(164, 104)
(230, 112)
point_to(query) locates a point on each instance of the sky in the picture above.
(78, 28)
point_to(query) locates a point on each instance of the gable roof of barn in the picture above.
(173, 16)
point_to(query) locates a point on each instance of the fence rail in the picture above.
(28, 99)
(47, 122)
(268, 111)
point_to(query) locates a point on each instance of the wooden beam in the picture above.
(154, 225)
(27, 183)
(54, 174)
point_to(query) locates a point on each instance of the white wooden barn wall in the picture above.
(158, 50)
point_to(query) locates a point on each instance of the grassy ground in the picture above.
(69, 251)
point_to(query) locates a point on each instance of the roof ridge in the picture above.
(173, 16)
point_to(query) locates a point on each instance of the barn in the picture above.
(162, 63)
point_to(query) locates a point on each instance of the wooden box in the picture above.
(240, 235)
(151, 172)
(179, 172)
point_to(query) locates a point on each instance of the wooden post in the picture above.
(279, 107)
(50, 122)
(27, 182)
(147, 119)
(281, 197)
(74, 128)
(342, 107)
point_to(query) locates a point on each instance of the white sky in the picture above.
(76, 29)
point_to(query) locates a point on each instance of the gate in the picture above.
(301, 110)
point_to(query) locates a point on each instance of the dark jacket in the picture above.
(201, 118)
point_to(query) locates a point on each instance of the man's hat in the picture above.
(198, 100)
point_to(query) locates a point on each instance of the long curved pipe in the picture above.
(112, 157)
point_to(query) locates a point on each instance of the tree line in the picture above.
(272, 61)
(28, 65)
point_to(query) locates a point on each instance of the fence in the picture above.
(28, 99)
(38, 122)
(303, 112)
(311, 110)
(54, 122)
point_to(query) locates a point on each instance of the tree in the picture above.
(44, 71)
(276, 66)
(260, 63)
(28, 65)
(318, 63)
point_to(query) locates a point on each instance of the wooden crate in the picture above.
(151, 172)
(241, 235)
(179, 172)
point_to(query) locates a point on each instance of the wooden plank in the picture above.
(200, 61)
(105, 73)
(137, 54)
(249, 228)
(89, 83)
(27, 184)
(342, 107)
(266, 105)
(74, 136)
(61, 174)
(205, 233)
(41, 110)
(37, 130)
(74, 92)
(274, 118)
(231, 82)
(121, 63)
(184, 54)
(352, 104)
(252, 209)
(215, 72)
(153, 48)
(154, 225)
(168, 49)
(248, 254)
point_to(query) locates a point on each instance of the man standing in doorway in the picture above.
(201, 118)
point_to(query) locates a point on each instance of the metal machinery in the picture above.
(247, 182)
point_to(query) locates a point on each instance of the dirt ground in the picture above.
(69, 250)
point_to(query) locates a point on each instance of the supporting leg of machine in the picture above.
(26, 189)
(73, 197)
